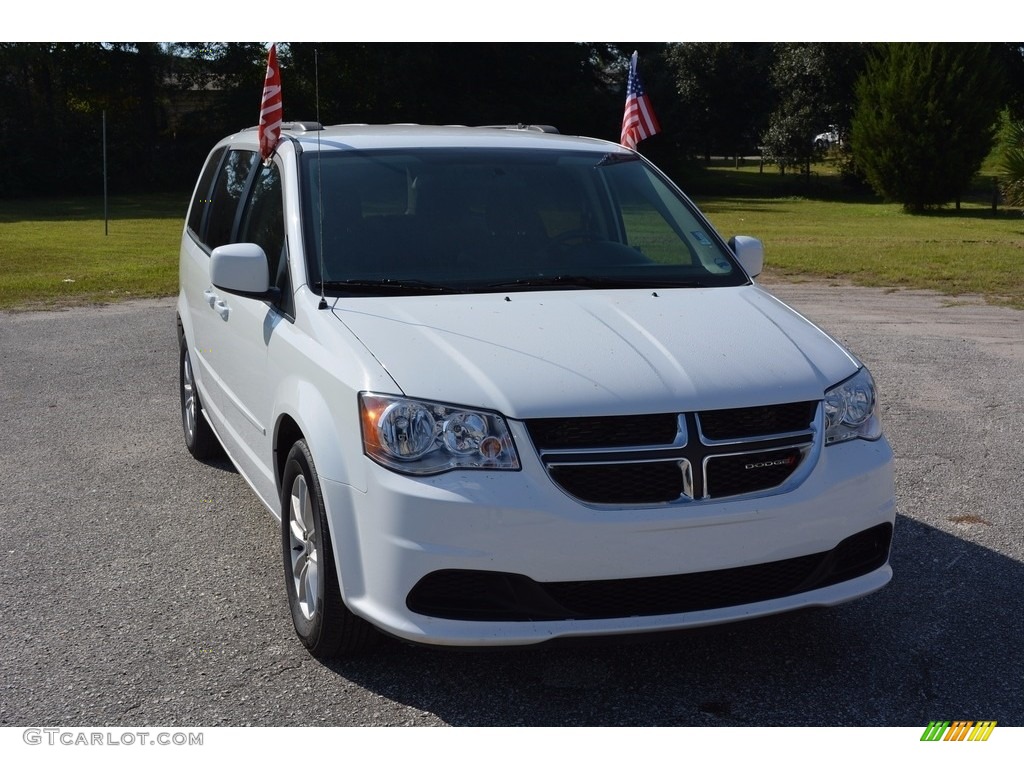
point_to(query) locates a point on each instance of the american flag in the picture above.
(638, 122)
(271, 108)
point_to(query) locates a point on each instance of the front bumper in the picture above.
(422, 558)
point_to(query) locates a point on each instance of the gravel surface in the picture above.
(140, 587)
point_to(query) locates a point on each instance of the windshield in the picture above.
(495, 220)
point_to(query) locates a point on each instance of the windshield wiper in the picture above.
(588, 281)
(386, 286)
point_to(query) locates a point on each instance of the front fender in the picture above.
(330, 429)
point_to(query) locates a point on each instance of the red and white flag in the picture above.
(638, 121)
(271, 108)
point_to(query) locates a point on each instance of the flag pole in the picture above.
(638, 121)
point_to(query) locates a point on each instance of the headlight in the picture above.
(851, 410)
(423, 438)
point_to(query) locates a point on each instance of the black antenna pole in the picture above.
(319, 177)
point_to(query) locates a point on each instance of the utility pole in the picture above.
(105, 229)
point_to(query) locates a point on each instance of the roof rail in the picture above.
(524, 127)
(299, 126)
(302, 125)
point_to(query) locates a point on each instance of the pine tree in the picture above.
(925, 120)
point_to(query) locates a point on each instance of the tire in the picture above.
(200, 440)
(324, 625)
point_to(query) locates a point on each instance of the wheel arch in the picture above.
(332, 433)
(287, 432)
(303, 414)
(179, 326)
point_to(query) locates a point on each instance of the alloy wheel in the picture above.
(303, 539)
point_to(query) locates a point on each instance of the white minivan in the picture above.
(502, 386)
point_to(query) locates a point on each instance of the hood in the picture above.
(588, 353)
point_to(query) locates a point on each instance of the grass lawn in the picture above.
(815, 228)
(954, 252)
(54, 252)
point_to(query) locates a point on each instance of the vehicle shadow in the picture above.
(220, 462)
(942, 641)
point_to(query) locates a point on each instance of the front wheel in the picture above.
(199, 437)
(324, 625)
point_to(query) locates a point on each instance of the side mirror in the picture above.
(242, 268)
(749, 252)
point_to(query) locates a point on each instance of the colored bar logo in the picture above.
(958, 730)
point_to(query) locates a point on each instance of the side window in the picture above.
(201, 198)
(263, 223)
(263, 218)
(227, 192)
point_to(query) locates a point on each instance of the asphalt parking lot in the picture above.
(140, 587)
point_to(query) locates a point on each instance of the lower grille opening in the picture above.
(492, 596)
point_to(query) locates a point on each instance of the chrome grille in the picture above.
(665, 458)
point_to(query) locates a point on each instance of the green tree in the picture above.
(925, 119)
(56, 93)
(166, 104)
(814, 86)
(1013, 165)
(1011, 55)
(563, 84)
(723, 95)
(212, 89)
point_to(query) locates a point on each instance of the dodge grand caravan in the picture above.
(502, 386)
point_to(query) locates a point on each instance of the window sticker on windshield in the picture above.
(701, 238)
